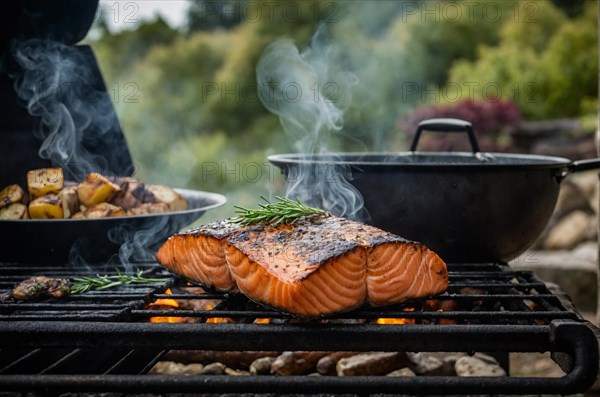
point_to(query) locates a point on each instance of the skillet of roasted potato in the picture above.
(56, 221)
(51, 197)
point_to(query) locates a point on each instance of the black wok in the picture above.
(468, 207)
(59, 241)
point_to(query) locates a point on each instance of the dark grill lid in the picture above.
(62, 24)
(65, 21)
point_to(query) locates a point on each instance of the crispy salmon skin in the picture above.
(319, 265)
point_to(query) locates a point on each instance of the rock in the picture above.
(236, 372)
(214, 369)
(587, 182)
(478, 366)
(449, 359)
(173, 368)
(584, 257)
(571, 198)
(327, 364)
(427, 364)
(402, 372)
(575, 272)
(232, 359)
(296, 363)
(568, 232)
(592, 230)
(372, 363)
(261, 366)
(595, 200)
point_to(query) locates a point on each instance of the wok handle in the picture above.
(580, 165)
(445, 125)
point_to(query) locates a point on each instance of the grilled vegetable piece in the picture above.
(70, 201)
(41, 285)
(14, 211)
(149, 208)
(12, 194)
(102, 210)
(164, 194)
(95, 189)
(46, 207)
(131, 193)
(44, 180)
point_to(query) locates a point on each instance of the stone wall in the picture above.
(567, 251)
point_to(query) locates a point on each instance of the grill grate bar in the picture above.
(237, 314)
(488, 307)
(62, 361)
(491, 284)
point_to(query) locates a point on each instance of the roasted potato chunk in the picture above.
(51, 197)
(103, 210)
(14, 211)
(44, 181)
(130, 195)
(95, 189)
(12, 194)
(46, 207)
(70, 201)
(164, 194)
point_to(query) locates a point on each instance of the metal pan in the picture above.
(77, 241)
(468, 207)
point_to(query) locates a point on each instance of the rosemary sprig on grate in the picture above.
(85, 284)
(284, 210)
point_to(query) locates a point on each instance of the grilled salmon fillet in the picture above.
(317, 266)
(199, 255)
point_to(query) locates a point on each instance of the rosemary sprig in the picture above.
(85, 284)
(284, 210)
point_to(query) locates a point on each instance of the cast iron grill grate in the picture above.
(47, 345)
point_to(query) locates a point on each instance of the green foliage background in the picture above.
(187, 98)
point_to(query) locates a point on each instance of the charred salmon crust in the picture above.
(317, 266)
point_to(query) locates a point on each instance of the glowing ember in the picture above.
(165, 301)
(262, 321)
(398, 320)
(217, 320)
(163, 304)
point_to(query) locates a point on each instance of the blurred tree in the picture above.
(215, 14)
(403, 61)
(572, 8)
(569, 67)
(119, 51)
(441, 32)
(549, 67)
(233, 102)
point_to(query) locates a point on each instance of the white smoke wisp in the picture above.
(55, 85)
(138, 242)
(309, 92)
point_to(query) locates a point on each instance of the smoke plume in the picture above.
(59, 85)
(309, 92)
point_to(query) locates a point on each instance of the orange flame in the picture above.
(262, 321)
(216, 320)
(398, 320)
(165, 302)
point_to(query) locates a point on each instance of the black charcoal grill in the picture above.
(103, 341)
